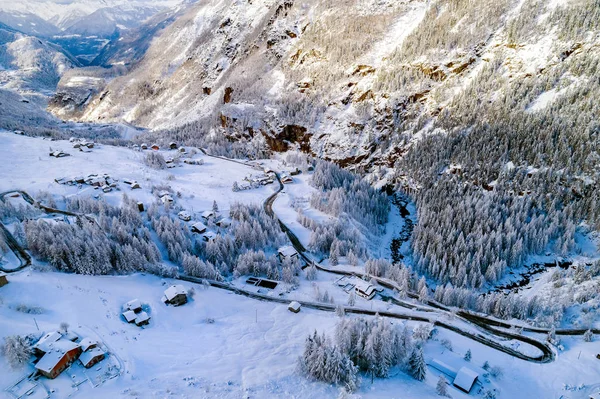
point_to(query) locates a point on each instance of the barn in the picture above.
(208, 215)
(87, 344)
(142, 319)
(60, 356)
(209, 236)
(134, 305)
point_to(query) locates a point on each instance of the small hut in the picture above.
(294, 307)
(175, 295)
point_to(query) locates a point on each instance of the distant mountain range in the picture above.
(84, 27)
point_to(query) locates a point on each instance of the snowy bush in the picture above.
(155, 160)
(17, 350)
(28, 309)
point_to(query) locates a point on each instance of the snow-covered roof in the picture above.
(134, 304)
(210, 235)
(443, 367)
(129, 316)
(288, 251)
(224, 222)
(184, 215)
(87, 357)
(364, 286)
(141, 318)
(55, 354)
(44, 343)
(295, 306)
(465, 379)
(174, 290)
(86, 343)
(199, 226)
(595, 395)
(208, 214)
(70, 335)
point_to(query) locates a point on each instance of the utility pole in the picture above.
(256, 316)
(36, 324)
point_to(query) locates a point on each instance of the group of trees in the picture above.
(120, 240)
(372, 346)
(527, 177)
(341, 191)
(117, 242)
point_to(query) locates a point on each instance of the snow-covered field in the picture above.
(250, 349)
(27, 166)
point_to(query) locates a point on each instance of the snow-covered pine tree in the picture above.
(467, 356)
(442, 387)
(416, 364)
(351, 298)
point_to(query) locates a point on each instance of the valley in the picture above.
(359, 199)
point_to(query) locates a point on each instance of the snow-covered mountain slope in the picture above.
(82, 27)
(132, 45)
(107, 21)
(63, 13)
(29, 63)
(350, 74)
(28, 23)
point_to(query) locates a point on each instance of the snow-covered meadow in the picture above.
(222, 345)
(27, 166)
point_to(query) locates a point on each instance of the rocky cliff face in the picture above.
(356, 81)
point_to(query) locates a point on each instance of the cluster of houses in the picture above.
(193, 161)
(102, 182)
(133, 313)
(156, 147)
(56, 351)
(201, 227)
(362, 288)
(260, 180)
(82, 144)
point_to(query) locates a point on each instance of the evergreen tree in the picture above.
(467, 356)
(442, 386)
(416, 364)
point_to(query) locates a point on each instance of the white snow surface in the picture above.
(31, 169)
